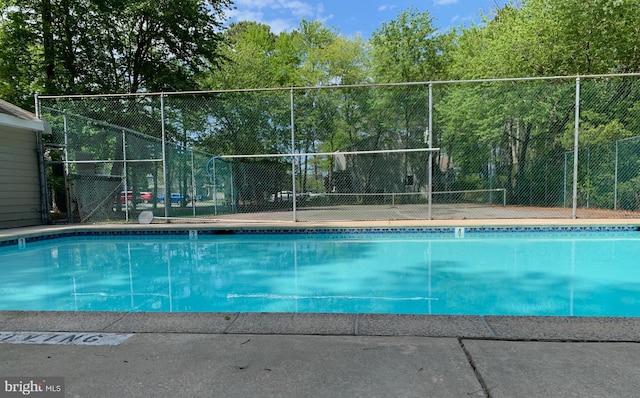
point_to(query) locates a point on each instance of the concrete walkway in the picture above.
(326, 355)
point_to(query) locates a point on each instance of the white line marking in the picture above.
(63, 338)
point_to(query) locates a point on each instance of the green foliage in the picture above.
(98, 46)
(629, 194)
(406, 49)
(609, 112)
(20, 59)
(551, 38)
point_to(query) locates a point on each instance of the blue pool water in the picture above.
(568, 274)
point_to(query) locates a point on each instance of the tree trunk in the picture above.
(519, 134)
(48, 47)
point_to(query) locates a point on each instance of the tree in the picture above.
(20, 62)
(250, 122)
(406, 49)
(552, 38)
(545, 38)
(107, 46)
(309, 56)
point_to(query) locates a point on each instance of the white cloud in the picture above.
(281, 25)
(386, 7)
(280, 15)
(253, 3)
(296, 8)
(245, 15)
(293, 7)
(444, 2)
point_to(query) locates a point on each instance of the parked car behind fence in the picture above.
(176, 197)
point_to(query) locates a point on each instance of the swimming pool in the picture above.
(457, 271)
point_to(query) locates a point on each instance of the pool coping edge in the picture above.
(27, 234)
(520, 328)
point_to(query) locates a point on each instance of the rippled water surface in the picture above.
(582, 274)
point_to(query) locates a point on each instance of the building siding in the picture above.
(19, 178)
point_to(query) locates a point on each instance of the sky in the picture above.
(351, 17)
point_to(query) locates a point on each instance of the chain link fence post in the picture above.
(576, 147)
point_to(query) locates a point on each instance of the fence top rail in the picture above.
(636, 137)
(296, 88)
(288, 155)
(503, 190)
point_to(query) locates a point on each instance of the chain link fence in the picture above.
(438, 150)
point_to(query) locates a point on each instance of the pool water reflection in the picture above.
(582, 274)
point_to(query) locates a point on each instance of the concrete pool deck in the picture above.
(327, 355)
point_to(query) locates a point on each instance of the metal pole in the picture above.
(45, 217)
(293, 158)
(575, 151)
(430, 143)
(588, 176)
(215, 189)
(124, 176)
(564, 182)
(37, 104)
(67, 172)
(194, 192)
(489, 168)
(233, 192)
(615, 182)
(165, 176)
